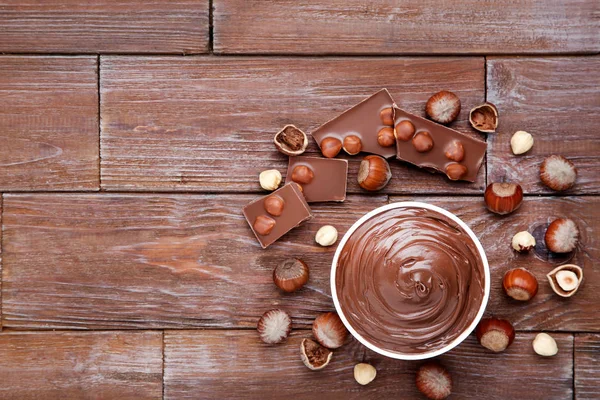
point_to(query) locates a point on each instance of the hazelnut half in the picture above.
(455, 151)
(558, 173)
(545, 345)
(443, 107)
(291, 141)
(302, 174)
(484, 118)
(520, 284)
(290, 275)
(503, 198)
(364, 373)
(329, 330)
(562, 236)
(495, 334)
(405, 130)
(263, 225)
(313, 355)
(374, 173)
(270, 179)
(566, 279)
(274, 205)
(387, 116)
(386, 137)
(352, 145)
(523, 242)
(423, 142)
(455, 171)
(330, 147)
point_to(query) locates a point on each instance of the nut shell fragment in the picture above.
(291, 141)
(313, 355)
(484, 118)
(554, 277)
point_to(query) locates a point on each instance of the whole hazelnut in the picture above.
(274, 326)
(374, 173)
(274, 205)
(386, 138)
(387, 116)
(263, 225)
(455, 151)
(290, 275)
(352, 145)
(521, 142)
(562, 236)
(434, 381)
(270, 179)
(455, 171)
(329, 330)
(495, 334)
(520, 284)
(423, 142)
(503, 198)
(330, 147)
(405, 130)
(326, 235)
(364, 373)
(545, 345)
(302, 174)
(523, 242)
(558, 173)
(443, 107)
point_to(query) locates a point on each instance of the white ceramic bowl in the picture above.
(463, 335)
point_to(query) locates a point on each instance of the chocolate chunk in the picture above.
(329, 176)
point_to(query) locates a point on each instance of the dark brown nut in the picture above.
(495, 334)
(263, 225)
(455, 151)
(405, 130)
(274, 205)
(520, 284)
(387, 116)
(330, 147)
(562, 236)
(423, 142)
(386, 138)
(503, 198)
(443, 107)
(290, 275)
(302, 174)
(455, 171)
(291, 141)
(374, 173)
(484, 118)
(558, 173)
(352, 144)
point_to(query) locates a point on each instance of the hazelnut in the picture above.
(434, 381)
(263, 225)
(521, 142)
(565, 280)
(290, 275)
(374, 173)
(330, 147)
(329, 330)
(443, 107)
(274, 205)
(302, 174)
(270, 179)
(523, 242)
(386, 138)
(387, 116)
(313, 355)
(503, 198)
(422, 142)
(291, 141)
(326, 235)
(455, 151)
(520, 284)
(558, 173)
(364, 373)
(562, 236)
(484, 118)
(352, 145)
(455, 171)
(405, 130)
(274, 326)
(495, 334)
(545, 345)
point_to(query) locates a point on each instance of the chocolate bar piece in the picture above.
(274, 215)
(365, 120)
(322, 179)
(432, 146)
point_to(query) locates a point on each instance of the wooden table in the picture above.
(133, 132)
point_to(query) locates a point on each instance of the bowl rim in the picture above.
(466, 332)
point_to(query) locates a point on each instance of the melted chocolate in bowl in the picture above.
(410, 280)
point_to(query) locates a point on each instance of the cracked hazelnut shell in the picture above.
(484, 118)
(567, 284)
(374, 173)
(290, 275)
(291, 141)
(313, 355)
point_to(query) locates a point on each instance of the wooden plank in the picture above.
(551, 98)
(546, 311)
(49, 123)
(587, 374)
(407, 27)
(71, 365)
(91, 261)
(104, 26)
(235, 364)
(207, 123)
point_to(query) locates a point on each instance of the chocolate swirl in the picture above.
(410, 280)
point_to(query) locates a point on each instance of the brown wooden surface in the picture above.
(48, 123)
(207, 123)
(565, 122)
(214, 360)
(587, 373)
(406, 27)
(71, 365)
(104, 26)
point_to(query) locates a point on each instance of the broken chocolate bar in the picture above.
(322, 179)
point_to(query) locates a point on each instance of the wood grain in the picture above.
(207, 123)
(49, 123)
(546, 311)
(406, 27)
(556, 101)
(71, 365)
(96, 261)
(235, 364)
(104, 26)
(587, 359)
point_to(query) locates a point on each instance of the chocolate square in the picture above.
(329, 181)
